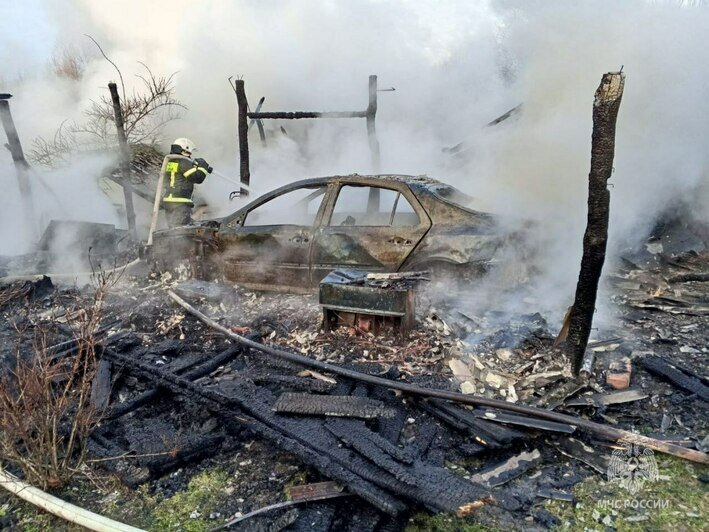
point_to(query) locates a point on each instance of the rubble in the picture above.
(618, 375)
(165, 397)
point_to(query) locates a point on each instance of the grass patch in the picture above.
(423, 522)
(677, 501)
(189, 510)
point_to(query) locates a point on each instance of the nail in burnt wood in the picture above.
(605, 114)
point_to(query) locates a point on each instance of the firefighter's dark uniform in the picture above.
(181, 174)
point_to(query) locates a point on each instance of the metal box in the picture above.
(348, 296)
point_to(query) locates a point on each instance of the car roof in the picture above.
(425, 188)
(374, 177)
(414, 182)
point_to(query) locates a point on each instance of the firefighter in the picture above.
(181, 174)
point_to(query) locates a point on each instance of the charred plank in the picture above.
(306, 492)
(331, 405)
(293, 383)
(582, 452)
(605, 399)
(513, 467)
(484, 432)
(524, 421)
(351, 435)
(679, 377)
(101, 386)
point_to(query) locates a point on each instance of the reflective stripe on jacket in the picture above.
(181, 174)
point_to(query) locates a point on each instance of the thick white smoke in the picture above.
(455, 66)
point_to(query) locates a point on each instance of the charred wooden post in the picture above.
(125, 159)
(18, 158)
(371, 128)
(243, 130)
(605, 114)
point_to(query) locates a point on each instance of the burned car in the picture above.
(292, 237)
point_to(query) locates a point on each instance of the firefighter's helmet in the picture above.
(186, 145)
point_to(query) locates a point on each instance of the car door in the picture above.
(268, 244)
(369, 227)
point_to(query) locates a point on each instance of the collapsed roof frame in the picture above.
(244, 115)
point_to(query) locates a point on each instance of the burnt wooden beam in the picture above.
(370, 114)
(371, 125)
(523, 421)
(101, 386)
(515, 110)
(124, 159)
(192, 375)
(239, 401)
(136, 191)
(243, 130)
(678, 376)
(484, 432)
(366, 448)
(297, 115)
(303, 384)
(22, 167)
(259, 123)
(605, 114)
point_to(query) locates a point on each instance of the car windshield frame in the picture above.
(237, 217)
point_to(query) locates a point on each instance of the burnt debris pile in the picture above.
(173, 392)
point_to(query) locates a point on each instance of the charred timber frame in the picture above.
(244, 115)
(605, 114)
(125, 159)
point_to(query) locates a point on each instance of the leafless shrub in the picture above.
(145, 112)
(69, 64)
(46, 415)
(55, 152)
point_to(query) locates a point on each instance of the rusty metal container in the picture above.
(348, 297)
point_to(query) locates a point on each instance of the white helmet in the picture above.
(186, 144)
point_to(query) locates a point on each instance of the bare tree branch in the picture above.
(145, 113)
(123, 86)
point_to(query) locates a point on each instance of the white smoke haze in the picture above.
(455, 67)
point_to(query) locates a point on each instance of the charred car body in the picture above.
(292, 237)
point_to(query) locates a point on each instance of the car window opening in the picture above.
(372, 207)
(296, 207)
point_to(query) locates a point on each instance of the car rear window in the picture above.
(452, 195)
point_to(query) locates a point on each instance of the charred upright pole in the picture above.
(18, 158)
(125, 159)
(371, 128)
(605, 113)
(244, 173)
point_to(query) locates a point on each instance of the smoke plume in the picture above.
(455, 67)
